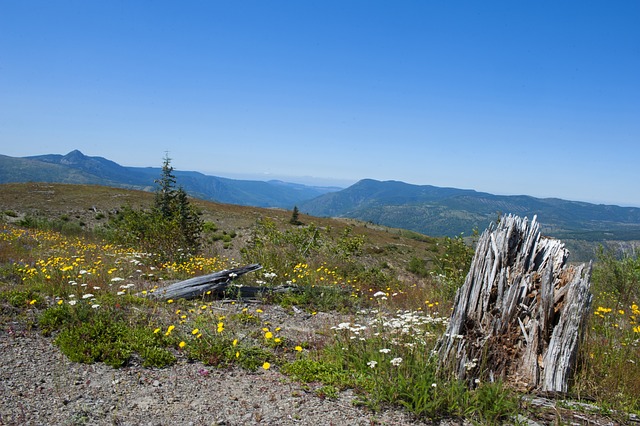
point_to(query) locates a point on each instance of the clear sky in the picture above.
(509, 97)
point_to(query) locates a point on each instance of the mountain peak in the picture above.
(74, 157)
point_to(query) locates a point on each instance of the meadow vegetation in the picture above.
(86, 287)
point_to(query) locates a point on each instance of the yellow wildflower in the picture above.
(182, 344)
(266, 365)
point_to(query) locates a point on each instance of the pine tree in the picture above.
(166, 192)
(189, 220)
(295, 216)
(170, 230)
(174, 208)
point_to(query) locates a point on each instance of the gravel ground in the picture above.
(40, 386)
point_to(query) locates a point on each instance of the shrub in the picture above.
(63, 225)
(451, 266)
(87, 335)
(100, 339)
(418, 266)
(618, 277)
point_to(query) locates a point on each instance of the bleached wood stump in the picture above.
(520, 312)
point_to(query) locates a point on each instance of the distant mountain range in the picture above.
(430, 210)
(436, 211)
(75, 167)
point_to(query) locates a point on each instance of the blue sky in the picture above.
(539, 98)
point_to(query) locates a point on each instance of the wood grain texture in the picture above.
(520, 313)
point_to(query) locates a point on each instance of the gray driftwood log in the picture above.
(521, 310)
(192, 288)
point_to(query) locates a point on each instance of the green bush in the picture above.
(23, 298)
(617, 278)
(451, 266)
(63, 225)
(89, 335)
(418, 266)
(220, 351)
(209, 227)
(98, 340)
(307, 370)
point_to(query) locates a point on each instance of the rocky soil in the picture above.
(40, 386)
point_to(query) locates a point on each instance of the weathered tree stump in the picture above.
(520, 312)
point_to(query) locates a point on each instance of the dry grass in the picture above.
(90, 206)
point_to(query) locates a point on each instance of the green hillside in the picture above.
(449, 212)
(75, 167)
(425, 209)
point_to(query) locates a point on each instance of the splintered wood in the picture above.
(519, 315)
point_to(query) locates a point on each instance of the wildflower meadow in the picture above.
(378, 336)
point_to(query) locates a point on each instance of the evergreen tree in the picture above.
(295, 216)
(189, 220)
(170, 230)
(166, 192)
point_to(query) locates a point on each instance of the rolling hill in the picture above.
(438, 211)
(425, 209)
(75, 167)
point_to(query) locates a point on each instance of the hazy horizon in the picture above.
(318, 182)
(540, 99)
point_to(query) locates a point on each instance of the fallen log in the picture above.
(216, 283)
(520, 312)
